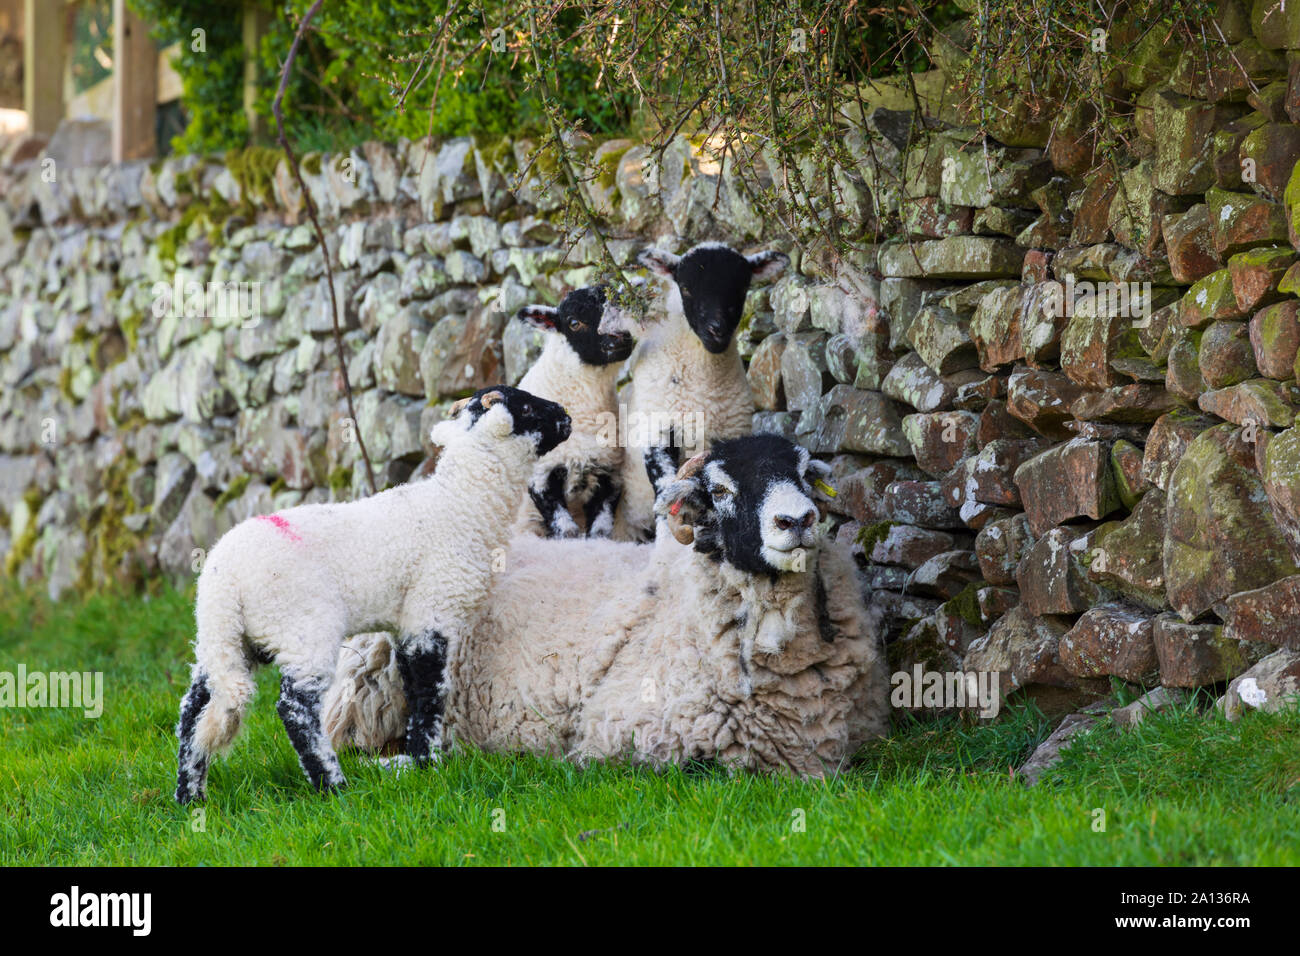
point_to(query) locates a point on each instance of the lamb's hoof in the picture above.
(424, 760)
(185, 797)
(396, 765)
(329, 789)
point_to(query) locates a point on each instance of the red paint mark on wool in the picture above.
(281, 524)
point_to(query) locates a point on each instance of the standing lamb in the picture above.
(578, 368)
(688, 386)
(740, 636)
(289, 587)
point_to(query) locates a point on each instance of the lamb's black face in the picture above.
(578, 320)
(712, 280)
(749, 501)
(545, 422)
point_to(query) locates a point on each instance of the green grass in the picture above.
(1183, 789)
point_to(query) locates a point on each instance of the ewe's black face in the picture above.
(512, 411)
(578, 320)
(749, 503)
(712, 280)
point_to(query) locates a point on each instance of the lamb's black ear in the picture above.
(659, 262)
(543, 317)
(767, 264)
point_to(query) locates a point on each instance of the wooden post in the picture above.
(135, 77)
(43, 65)
(256, 22)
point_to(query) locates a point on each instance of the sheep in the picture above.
(688, 386)
(738, 635)
(578, 368)
(289, 587)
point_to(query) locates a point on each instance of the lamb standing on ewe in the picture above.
(291, 586)
(689, 386)
(578, 368)
(750, 645)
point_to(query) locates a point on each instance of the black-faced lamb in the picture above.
(578, 368)
(289, 587)
(738, 635)
(688, 386)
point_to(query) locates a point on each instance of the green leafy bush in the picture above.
(210, 64)
(354, 65)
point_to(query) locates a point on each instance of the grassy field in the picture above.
(1182, 789)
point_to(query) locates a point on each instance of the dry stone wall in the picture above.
(1059, 398)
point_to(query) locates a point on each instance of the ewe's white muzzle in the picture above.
(787, 520)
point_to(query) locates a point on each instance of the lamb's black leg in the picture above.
(661, 466)
(191, 763)
(299, 709)
(422, 662)
(600, 507)
(662, 462)
(552, 504)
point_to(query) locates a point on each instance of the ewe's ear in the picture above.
(539, 316)
(659, 262)
(767, 265)
(681, 501)
(678, 503)
(816, 473)
(818, 469)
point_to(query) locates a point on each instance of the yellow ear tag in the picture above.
(825, 489)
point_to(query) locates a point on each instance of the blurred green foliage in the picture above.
(92, 43)
(354, 65)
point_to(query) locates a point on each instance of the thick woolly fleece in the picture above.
(587, 393)
(650, 653)
(414, 559)
(675, 378)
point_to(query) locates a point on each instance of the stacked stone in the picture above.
(1035, 485)
(132, 434)
(1067, 496)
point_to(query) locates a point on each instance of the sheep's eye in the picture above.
(719, 492)
(575, 325)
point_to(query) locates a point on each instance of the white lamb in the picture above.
(689, 387)
(750, 645)
(290, 587)
(578, 368)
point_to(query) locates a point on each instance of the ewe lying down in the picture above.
(736, 635)
(289, 587)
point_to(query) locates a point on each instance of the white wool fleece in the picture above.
(411, 559)
(588, 395)
(676, 377)
(600, 650)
